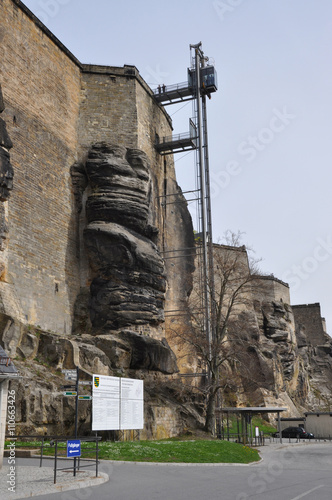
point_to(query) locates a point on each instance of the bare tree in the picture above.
(232, 320)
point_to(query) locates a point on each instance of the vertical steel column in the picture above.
(209, 220)
(279, 428)
(55, 459)
(76, 410)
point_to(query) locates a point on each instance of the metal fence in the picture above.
(55, 443)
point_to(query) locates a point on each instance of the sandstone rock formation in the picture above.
(315, 354)
(285, 351)
(128, 279)
(6, 169)
(6, 182)
(42, 355)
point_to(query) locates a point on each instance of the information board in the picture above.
(131, 409)
(117, 403)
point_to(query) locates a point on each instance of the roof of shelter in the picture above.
(318, 413)
(253, 409)
(292, 419)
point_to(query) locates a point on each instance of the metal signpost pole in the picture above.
(279, 428)
(76, 412)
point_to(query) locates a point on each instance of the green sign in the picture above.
(70, 393)
(84, 398)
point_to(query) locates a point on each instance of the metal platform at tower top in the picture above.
(171, 94)
(185, 91)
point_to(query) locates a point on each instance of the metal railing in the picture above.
(177, 138)
(162, 89)
(5, 360)
(240, 437)
(54, 443)
(298, 439)
(76, 460)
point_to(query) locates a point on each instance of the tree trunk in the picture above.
(210, 418)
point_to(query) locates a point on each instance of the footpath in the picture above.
(32, 480)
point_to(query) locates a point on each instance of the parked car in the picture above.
(296, 432)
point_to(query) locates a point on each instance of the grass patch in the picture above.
(263, 426)
(180, 451)
(170, 451)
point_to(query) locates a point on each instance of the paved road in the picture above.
(287, 472)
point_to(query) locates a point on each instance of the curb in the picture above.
(179, 464)
(81, 483)
(48, 489)
(21, 453)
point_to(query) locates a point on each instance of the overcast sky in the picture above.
(269, 123)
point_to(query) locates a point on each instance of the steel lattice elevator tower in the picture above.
(202, 81)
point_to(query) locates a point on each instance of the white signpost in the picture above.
(70, 374)
(117, 403)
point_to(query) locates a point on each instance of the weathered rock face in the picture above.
(6, 181)
(278, 336)
(315, 353)
(41, 406)
(120, 179)
(293, 352)
(287, 350)
(128, 279)
(149, 354)
(129, 285)
(6, 170)
(127, 289)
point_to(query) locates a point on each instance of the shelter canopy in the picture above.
(253, 409)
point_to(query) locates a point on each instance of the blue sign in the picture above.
(73, 448)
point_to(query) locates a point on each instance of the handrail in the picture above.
(54, 443)
(5, 360)
(177, 137)
(164, 89)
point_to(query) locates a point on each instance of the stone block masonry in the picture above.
(309, 320)
(41, 90)
(55, 109)
(108, 108)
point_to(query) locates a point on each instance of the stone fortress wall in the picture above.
(56, 108)
(273, 289)
(41, 89)
(309, 318)
(58, 112)
(55, 111)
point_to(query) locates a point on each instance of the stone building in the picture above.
(319, 424)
